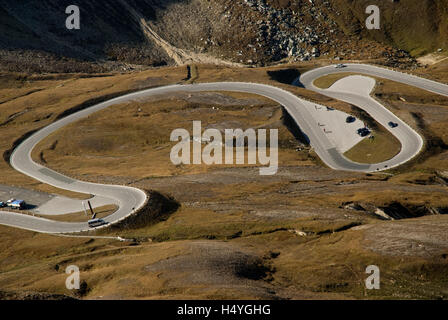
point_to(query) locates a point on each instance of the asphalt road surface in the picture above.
(130, 199)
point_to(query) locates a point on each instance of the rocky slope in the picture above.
(253, 32)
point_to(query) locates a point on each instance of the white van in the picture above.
(96, 223)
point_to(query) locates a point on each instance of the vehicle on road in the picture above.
(96, 223)
(393, 124)
(350, 119)
(2, 204)
(340, 66)
(16, 204)
(363, 132)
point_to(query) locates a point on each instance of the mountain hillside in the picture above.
(249, 32)
(417, 26)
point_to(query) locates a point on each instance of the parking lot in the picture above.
(46, 203)
(32, 198)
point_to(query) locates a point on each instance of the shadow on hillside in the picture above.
(159, 207)
(41, 25)
(286, 76)
(293, 127)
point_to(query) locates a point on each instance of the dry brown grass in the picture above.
(132, 140)
(329, 266)
(56, 95)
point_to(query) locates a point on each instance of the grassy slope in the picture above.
(126, 142)
(328, 266)
(383, 147)
(23, 112)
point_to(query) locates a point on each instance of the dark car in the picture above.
(363, 132)
(350, 119)
(2, 204)
(393, 124)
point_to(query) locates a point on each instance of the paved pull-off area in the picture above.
(353, 90)
(43, 203)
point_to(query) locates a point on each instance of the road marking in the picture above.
(56, 176)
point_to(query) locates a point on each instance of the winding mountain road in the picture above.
(131, 199)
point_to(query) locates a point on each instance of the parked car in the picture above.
(363, 132)
(393, 124)
(341, 65)
(17, 204)
(2, 204)
(350, 119)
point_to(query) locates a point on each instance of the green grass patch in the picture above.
(383, 147)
